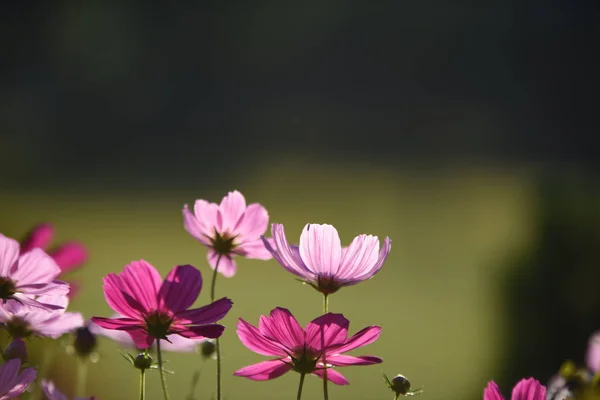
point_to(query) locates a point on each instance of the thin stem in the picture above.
(300, 386)
(217, 344)
(325, 390)
(43, 369)
(160, 370)
(325, 311)
(143, 384)
(195, 380)
(82, 372)
(325, 303)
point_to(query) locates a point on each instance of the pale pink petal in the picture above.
(194, 227)
(23, 380)
(231, 209)
(321, 249)
(120, 301)
(592, 357)
(63, 323)
(54, 288)
(362, 338)
(492, 392)
(286, 255)
(253, 223)
(344, 361)
(282, 327)
(326, 331)
(141, 281)
(180, 289)
(180, 344)
(35, 267)
(227, 266)
(333, 376)
(529, 389)
(9, 254)
(40, 236)
(123, 324)
(208, 314)
(29, 302)
(207, 215)
(359, 257)
(255, 250)
(383, 254)
(264, 371)
(211, 331)
(251, 337)
(51, 391)
(69, 256)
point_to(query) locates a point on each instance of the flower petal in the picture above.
(286, 255)
(35, 267)
(69, 256)
(227, 266)
(359, 257)
(344, 361)
(492, 392)
(61, 324)
(211, 331)
(54, 288)
(592, 357)
(252, 223)
(23, 380)
(40, 236)
(251, 337)
(321, 249)
(255, 250)
(195, 227)
(142, 282)
(231, 209)
(180, 289)
(207, 215)
(529, 389)
(383, 254)
(362, 338)
(9, 254)
(122, 324)
(208, 314)
(326, 331)
(140, 338)
(282, 327)
(51, 391)
(333, 376)
(264, 371)
(119, 300)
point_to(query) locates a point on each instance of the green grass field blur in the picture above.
(436, 297)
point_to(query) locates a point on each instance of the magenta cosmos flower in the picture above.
(52, 392)
(68, 256)
(26, 276)
(23, 320)
(228, 229)
(525, 389)
(13, 381)
(303, 350)
(154, 309)
(321, 261)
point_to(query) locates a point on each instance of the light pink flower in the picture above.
(228, 229)
(52, 392)
(154, 309)
(12, 382)
(321, 261)
(68, 256)
(25, 276)
(592, 357)
(22, 320)
(525, 389)
(324, 340)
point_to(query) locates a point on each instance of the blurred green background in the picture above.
(466, 134)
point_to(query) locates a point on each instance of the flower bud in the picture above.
(85, 341)
(143, 361)
(208, 348)
(16, 349)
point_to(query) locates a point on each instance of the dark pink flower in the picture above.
(23, 277)
(13, 381)
(154, 309)
(525, 389)
(321, 261)
(324, 341)
(68, 256)
(52, 392)
(228, 229)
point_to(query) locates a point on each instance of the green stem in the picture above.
(325, 303)
(43, 370)
(143, 384)
(217, 344)
(82, 370)
(300, 386)
(325, 389)
(160, 370)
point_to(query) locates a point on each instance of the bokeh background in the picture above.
(465, 132)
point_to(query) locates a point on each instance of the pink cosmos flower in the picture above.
(52, 392)
(23, 320)
(154, 309)
(68, 256)
(12, 382)
(303, 350)
(228, 229)
(525, 389)
(25, 276)
(592, 357)
(321, 261)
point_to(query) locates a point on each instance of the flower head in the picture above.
(24, 277)
(13, 381)
(68, 256)
(23, 320)
(525, 389)
(321, 261)
(228, 229)
(321, 345)
(154, 309)
(52, 392)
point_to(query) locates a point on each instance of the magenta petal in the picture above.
(326, 331)
(362, 338)
(344, 361)
(123, 324)
(69, 256)
(35, 267)
(141, 281)
(227, 266)
(529, 389)
(208, 314)
(211, 331)
(140, 338)
(264, 371)
(120, 301)
(321, 249)
(282, 327)
(40, 236)
(253, 223)
(9, 254)
(231, 209)
(180, 288)
(492, 392)
(333, 376)
(251, 337)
